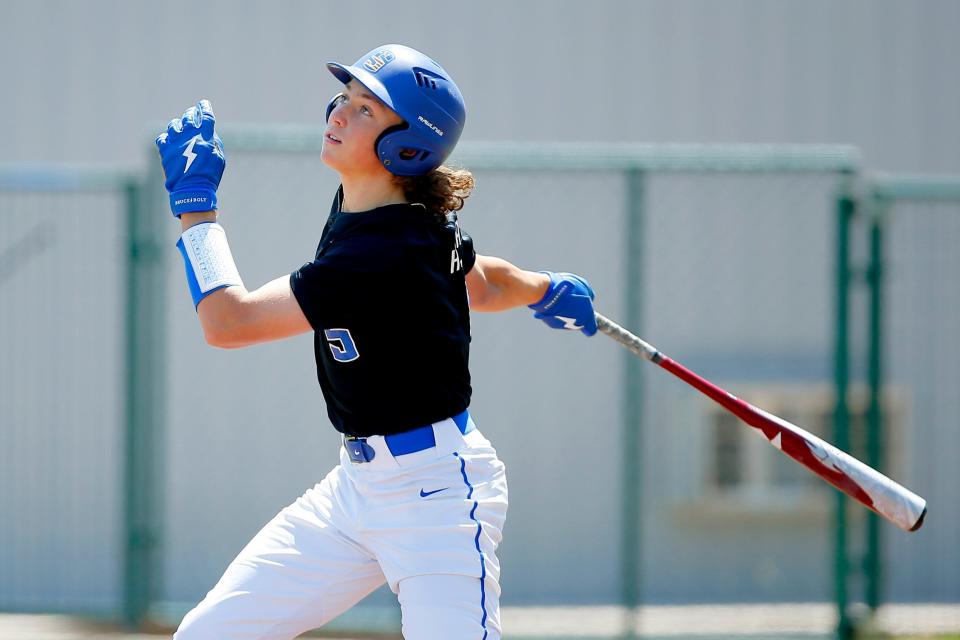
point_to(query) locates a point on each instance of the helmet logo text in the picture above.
(435, 128)
(378, 60)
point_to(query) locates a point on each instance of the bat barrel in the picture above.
(894, 502)
(891, 500)
(875, 490)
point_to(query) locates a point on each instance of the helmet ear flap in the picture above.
(403, 152)
(334, 101)
(387, 153)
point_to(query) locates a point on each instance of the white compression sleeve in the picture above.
(207, 259)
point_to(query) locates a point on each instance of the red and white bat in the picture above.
(894, 502)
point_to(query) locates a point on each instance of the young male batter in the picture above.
(419, 498)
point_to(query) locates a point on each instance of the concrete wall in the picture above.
(877, 74)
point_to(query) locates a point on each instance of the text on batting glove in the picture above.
(193, 159)
(567, 304)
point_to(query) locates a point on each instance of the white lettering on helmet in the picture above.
(435, 128)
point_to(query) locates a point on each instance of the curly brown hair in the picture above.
(441, 191)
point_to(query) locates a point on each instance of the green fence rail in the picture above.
(885, 201)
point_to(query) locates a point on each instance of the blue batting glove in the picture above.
(193, 159)
(568, 304)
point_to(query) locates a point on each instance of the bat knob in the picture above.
(920, 521)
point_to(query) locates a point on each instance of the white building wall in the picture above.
(91, 83)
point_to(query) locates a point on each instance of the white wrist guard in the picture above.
(208, 261)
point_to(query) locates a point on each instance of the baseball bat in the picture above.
(894, 502)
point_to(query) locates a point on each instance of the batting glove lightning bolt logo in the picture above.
(568, 304)
(189, 154)
(569, 323)
(193, 159)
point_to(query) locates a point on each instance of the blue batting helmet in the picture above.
(422, 93)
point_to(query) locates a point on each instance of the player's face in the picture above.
(355, 123)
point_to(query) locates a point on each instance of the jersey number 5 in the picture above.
(341, 345)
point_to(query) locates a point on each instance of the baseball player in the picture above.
(419, 498)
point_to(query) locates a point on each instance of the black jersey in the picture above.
(386, 297)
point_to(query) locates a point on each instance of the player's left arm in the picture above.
(231, 316)
(497, 285)
(561, 300)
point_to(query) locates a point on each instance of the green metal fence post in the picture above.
(145, 351)
(632, 490)
(875, 458)
(845, 210)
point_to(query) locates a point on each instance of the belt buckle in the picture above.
(358, 450)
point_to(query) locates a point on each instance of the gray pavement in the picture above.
(754, 621)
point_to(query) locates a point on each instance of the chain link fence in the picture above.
(62, 363)
(903, 329)
(140, 460)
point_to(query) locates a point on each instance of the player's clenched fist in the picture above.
(193, 159)
(568, 304)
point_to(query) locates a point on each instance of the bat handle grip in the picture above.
(627, 339)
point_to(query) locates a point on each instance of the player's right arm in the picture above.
(234, 317)
(231, 316)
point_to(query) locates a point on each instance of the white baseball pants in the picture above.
(426, 523)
